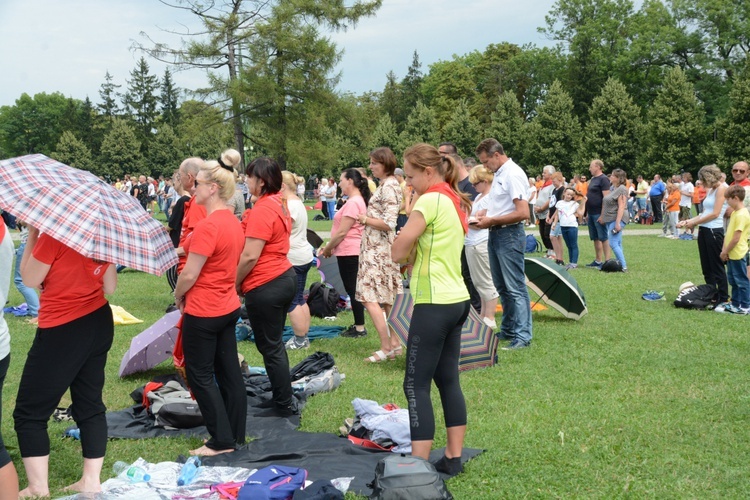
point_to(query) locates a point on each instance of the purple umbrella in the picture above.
(152, 346)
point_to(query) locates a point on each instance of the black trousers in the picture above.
(432, 353)
(72, 356)
(4, 456)
(710, 243)
(266, 309)
(656, 207)
(348, 268)
(213, 372)
(474, 298)
(324, 209)
(544, 231)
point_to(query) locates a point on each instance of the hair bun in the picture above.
(224, 165)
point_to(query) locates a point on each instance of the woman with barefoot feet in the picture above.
(73, 337)
(206, 295)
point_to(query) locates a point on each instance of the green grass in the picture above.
(636, 399)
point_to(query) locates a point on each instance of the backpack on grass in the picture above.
(697, 297)
(532, 244)
(401, 477)
(273, 482)
(323, 300)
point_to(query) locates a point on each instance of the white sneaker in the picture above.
(490, 322)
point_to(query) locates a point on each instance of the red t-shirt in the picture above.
(193, 214)
(268, 220)
(74, 285)
(218, 237)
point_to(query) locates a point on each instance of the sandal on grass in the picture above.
(379, 356)
(398, 351)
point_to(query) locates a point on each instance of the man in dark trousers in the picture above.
(598, 189)
(656, 194)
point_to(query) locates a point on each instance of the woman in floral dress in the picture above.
(379, 279)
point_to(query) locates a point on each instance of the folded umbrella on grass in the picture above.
(152, 346)
(556, 287)
(478, 342)
(84, 213)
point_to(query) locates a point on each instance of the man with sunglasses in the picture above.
(740, 171)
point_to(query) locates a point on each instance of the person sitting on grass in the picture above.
(734, 252)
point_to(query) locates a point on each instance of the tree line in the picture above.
(661, 89)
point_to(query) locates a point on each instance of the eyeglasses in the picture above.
(195, 185)
(738, 171)
(477, 183)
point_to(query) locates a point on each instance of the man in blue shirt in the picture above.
(657, 194)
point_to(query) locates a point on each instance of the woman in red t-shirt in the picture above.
(266, 277)
(205, 294)
(73, 337)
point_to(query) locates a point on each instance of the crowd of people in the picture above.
(456, 228)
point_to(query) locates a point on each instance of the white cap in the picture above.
(685, 285)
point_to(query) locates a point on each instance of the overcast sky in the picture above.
(68, 45)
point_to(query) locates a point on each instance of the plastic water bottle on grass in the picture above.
(188, 471)
(134, 473)
(73, 433)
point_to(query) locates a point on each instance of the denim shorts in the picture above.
(597, 231)
(299, 297)
(556, 231)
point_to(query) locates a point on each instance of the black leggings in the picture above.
(432, 354)
(4, 456)
(710, 243)
(71, 355)
(348, 268)
(266, 309)
(213, 372)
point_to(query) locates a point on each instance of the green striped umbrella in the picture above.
(556, 287)
(478, 341)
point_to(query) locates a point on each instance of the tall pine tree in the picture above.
(675, 130)
(169, 100)
(613, 130)
(420, 127)
(463, 130)
(506, 125)
(141, 100)
(732, 129)
(108, 94)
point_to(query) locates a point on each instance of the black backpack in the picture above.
(323, 300)
(401, 477)
(697, 297)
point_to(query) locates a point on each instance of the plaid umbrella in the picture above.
(556, 287)
(85, 213)
(478, 342)
(152, 346)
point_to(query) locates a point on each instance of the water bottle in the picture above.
(187, 474)
(73, 433)
(134, 473)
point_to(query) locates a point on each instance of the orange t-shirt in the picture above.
(583, 188)
(699, 194)
(193, 214)
(673, 202)
(268, 220)
(218, 237)
(74, 285)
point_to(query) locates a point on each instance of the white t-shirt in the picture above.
(566, 213)
(476, 236)
(532, 194)
(686, 200)
(510, 183)
(6, 272)
(300, 251)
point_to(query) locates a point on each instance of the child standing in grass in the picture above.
(734, 252)
(672, 211)
(567, 213)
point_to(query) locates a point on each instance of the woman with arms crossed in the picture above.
(206, 295)
(436, 227)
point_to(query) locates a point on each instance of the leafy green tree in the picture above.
(463, 130)
(447, 83)
(73, 152)
(552, 137)
(385, 134)
(108, 94)
(530, 73)
(169, 100)
(507, 125)
(732, 129)
(595, 32)
(420, 127)
(164, 152)
(120, 153)
(390, 101)
(675, 133)
(203, 131)
(140, 100)
(491, 78)
(34, 125)
(613, 130)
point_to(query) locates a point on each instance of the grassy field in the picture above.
(636, 399)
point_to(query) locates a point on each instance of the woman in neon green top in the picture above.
(434, 237)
